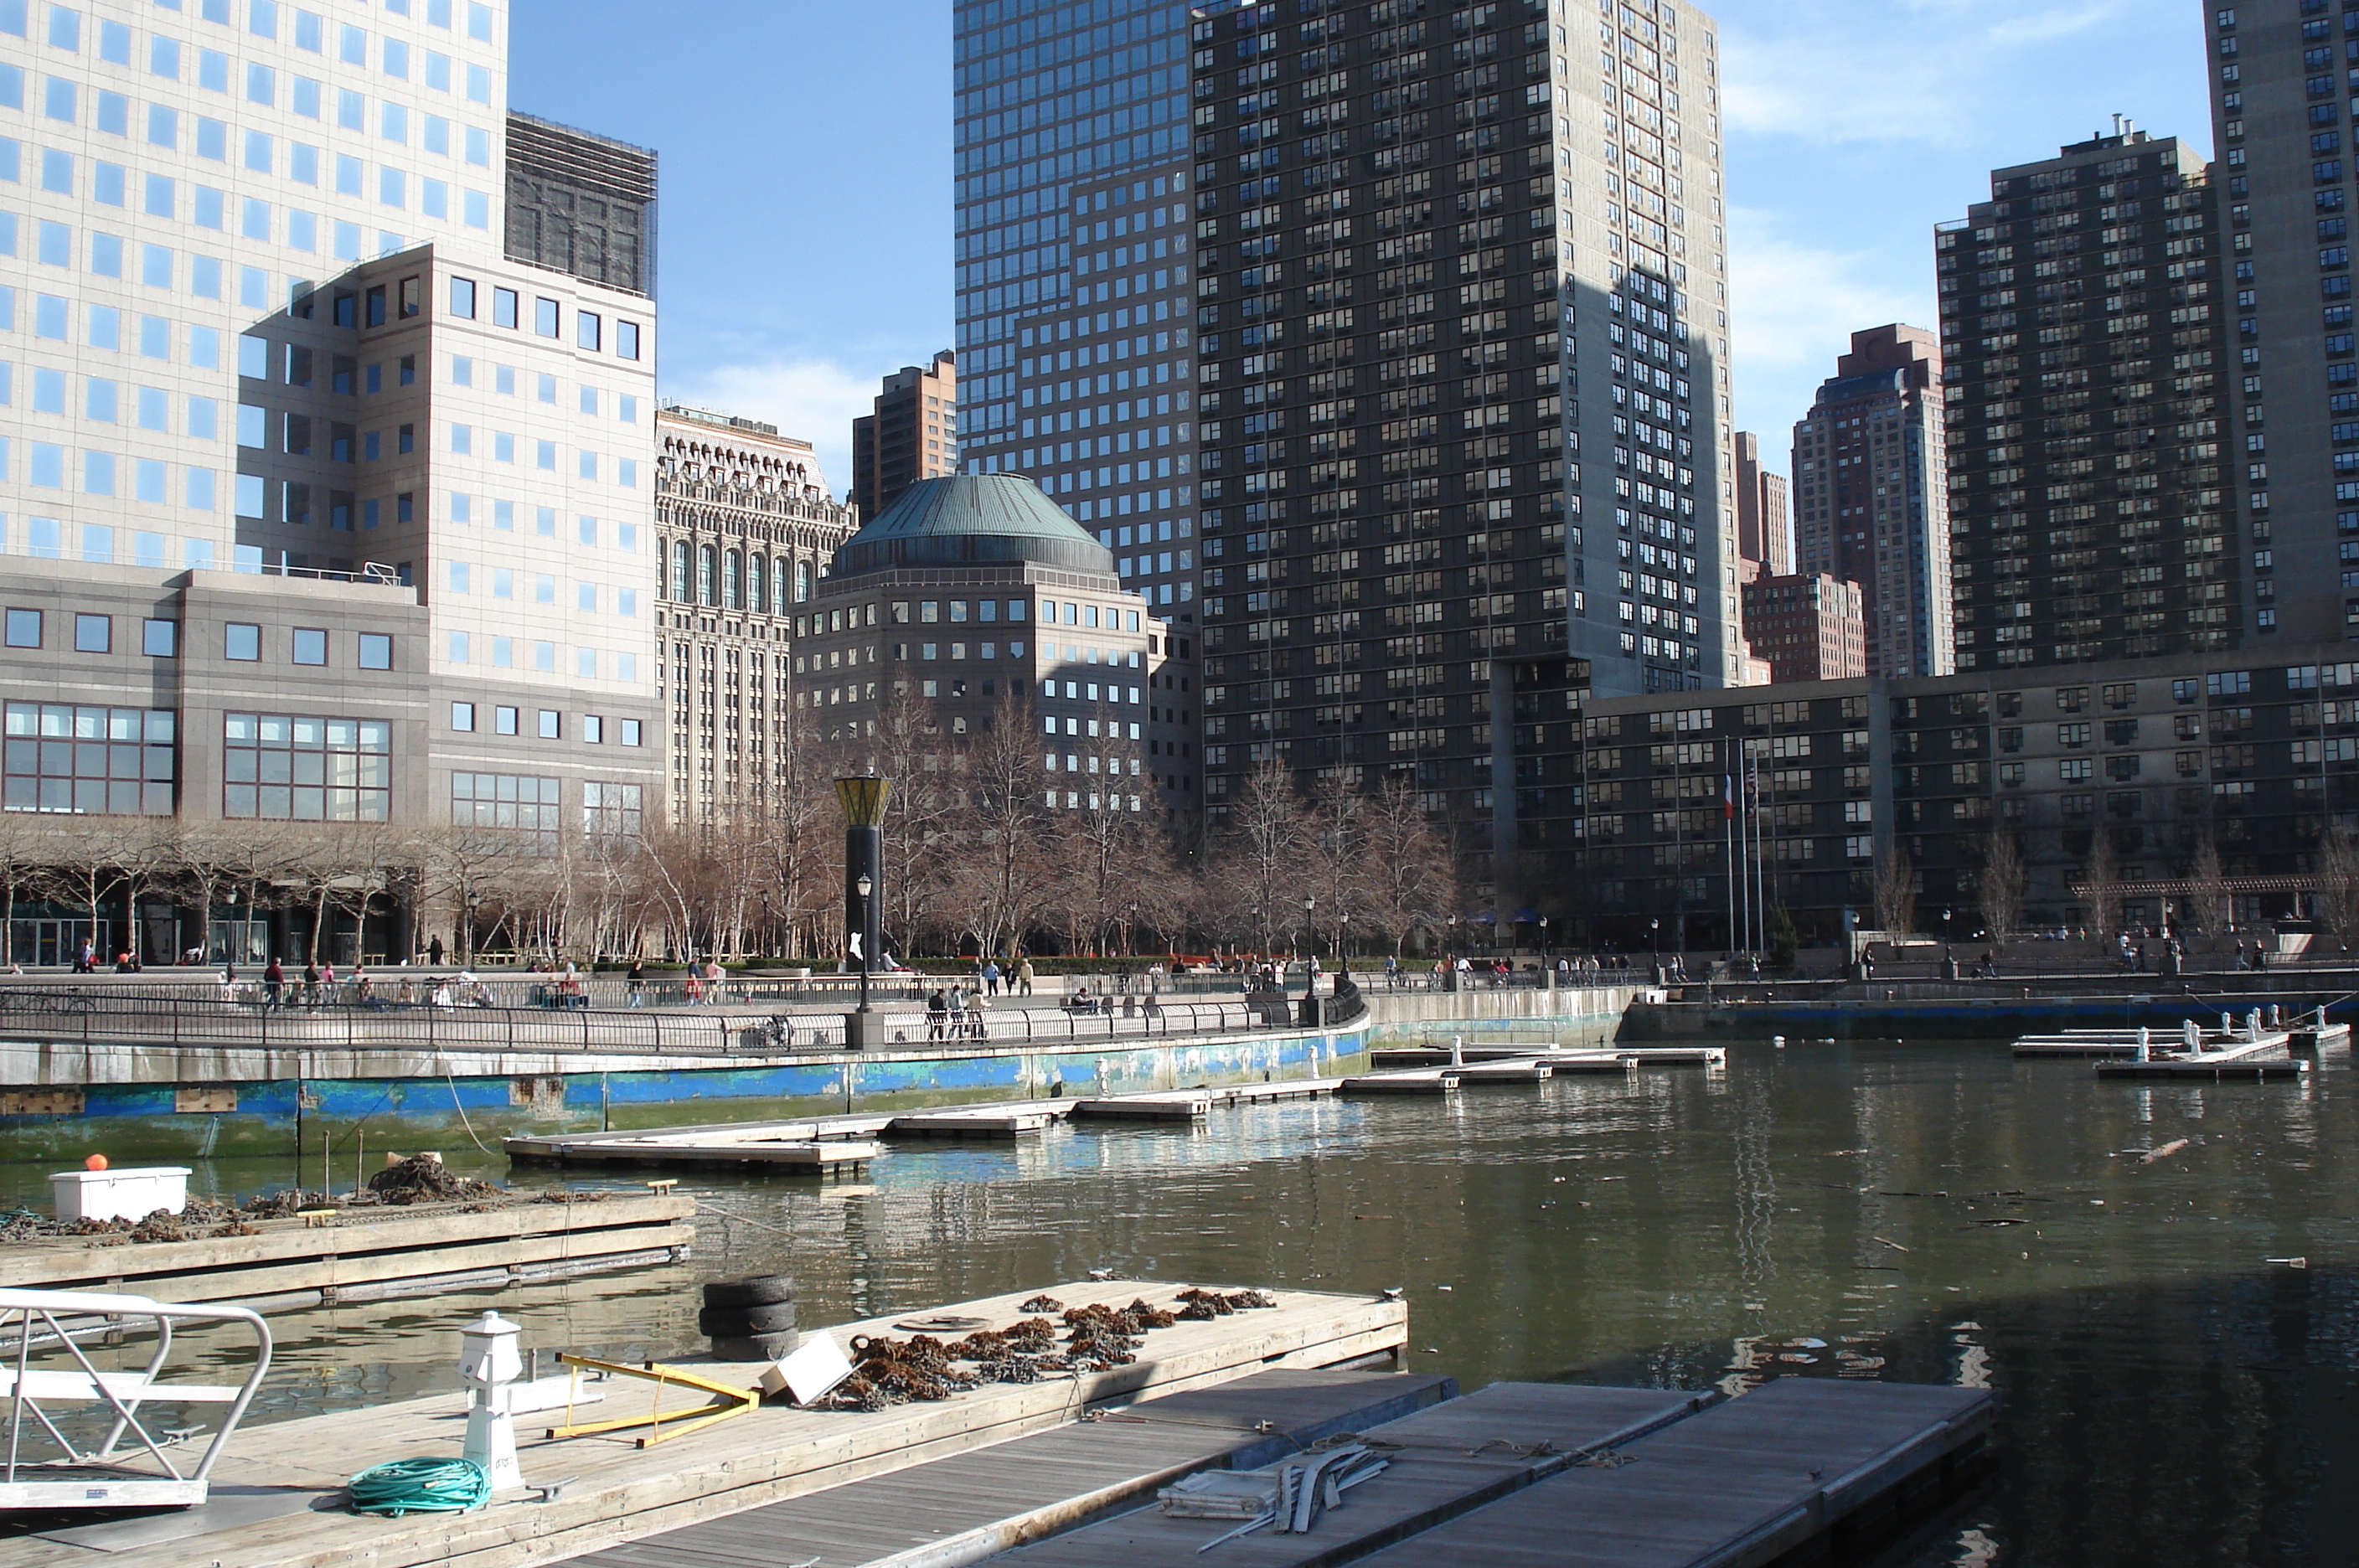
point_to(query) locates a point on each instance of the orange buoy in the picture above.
(95, 1162)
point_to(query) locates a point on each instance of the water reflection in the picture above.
(1921, 1212)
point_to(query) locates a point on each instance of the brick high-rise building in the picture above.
(1871, 493)
(2293, 426)
(2090, 411)
(1419, 232)
(911, 434)
(1807, 627)
(1764, 531)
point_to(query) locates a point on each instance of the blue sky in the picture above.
(805, 246)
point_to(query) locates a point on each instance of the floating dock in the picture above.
(1614, 1058)
(280, 1498)
(2103, 1043)
(365, 1253)
(1519, 1473)
(2261, 1065)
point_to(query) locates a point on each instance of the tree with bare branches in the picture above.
(1260, 855)
(1896, 893)
(2000, 885)
(1409, 877)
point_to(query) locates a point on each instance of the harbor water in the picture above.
(2161, 1280)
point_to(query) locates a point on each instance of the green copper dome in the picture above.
(971, 520)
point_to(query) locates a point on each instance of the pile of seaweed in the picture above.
(888, 1371)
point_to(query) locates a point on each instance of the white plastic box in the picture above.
(131, 1194)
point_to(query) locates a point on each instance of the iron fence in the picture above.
(249, 1018)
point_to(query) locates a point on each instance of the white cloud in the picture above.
(815, 399)
(1793, 309)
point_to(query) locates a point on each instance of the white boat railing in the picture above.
(116, 1473)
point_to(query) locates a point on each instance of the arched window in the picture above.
(732, 580)
(757, 584)
(708, 568)
(781, 589)
(802, 581)
(682, 587)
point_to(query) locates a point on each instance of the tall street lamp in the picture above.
(863, 798)
(1309, 942)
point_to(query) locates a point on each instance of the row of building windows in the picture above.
(502, 651)
(89, 760)
(734, 579)
(548, 723)
(161, 639)
(548, 319)
(110, 185)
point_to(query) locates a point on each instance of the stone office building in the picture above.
(975, 593)
(745, 529)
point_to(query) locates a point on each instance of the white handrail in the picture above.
(122, 1392)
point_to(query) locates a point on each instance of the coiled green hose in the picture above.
(421, 1487)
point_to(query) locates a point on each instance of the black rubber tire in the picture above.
(744, 1321)
(756, 1347)
(757, 1291)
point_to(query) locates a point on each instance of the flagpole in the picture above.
(1728, 831)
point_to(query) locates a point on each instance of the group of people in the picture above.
(956, 1013)
(319, 985)
(989, 977)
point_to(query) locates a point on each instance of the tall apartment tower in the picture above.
(2092, 398)
(911, 434)
(2288, 152)
(1057, 104)
(1870, 485)
(1420, 230)
(266, 326)
(745, 529)
(1765, 533)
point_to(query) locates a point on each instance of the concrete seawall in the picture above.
(1484, 1010)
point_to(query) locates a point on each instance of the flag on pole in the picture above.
(1727, 797)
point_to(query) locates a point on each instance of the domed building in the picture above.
(974, 598)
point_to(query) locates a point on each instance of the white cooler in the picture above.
(132, 1194)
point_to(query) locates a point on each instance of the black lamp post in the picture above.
(863, 798)
(1310, 941)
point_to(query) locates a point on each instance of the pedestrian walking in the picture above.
(991, 978)
(638, 983)
(974, 1020)
(954, 1015)
(1024, 976)
(274, 983)
(936, 1014)
(694, 984)
(310, 984)
(434, 951)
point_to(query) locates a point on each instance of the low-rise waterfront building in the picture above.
(2088, 796)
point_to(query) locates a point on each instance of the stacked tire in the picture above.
(751, 1319)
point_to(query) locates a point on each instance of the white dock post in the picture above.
(2253, 1024)
(1457, 1051)
(2193, 1033)
(488, 1361)
(2143, 1044)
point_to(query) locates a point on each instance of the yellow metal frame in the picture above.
(728, 1401)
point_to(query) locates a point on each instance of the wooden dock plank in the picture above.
(1000, 1496)
(363, 1244)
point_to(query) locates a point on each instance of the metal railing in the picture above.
(253, 1021)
